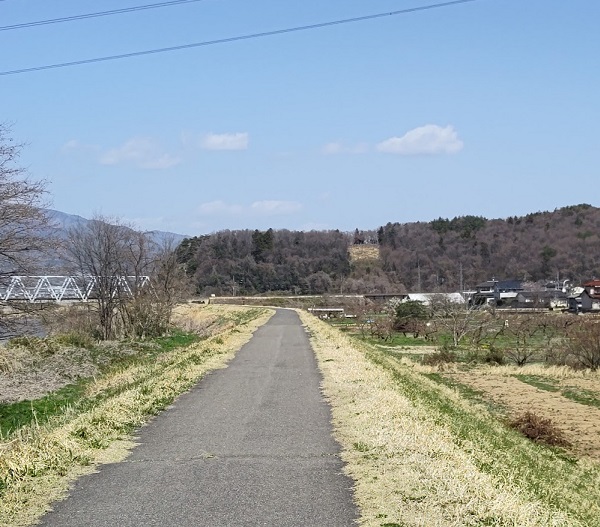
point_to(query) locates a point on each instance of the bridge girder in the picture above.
(59, 288)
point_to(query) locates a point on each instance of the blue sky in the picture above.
(488, 108)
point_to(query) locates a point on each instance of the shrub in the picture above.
(539, 429)
(521, 355)
(37, 345)
(494, 356)
(75, 319)
(443, 356)
(75, 340)
(24, 341)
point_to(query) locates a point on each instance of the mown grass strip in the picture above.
(423, 455)
(476, 396)
(396, 340)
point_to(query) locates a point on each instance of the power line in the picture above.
(235, 39)
(94, 15)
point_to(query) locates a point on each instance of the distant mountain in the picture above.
(54, 261)
(62, 222)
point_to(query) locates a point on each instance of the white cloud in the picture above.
(75, 145)
(258, 208)
(429, 139)
(142, 152)
(238, 141)
(337, 147)
(161, 162)
(332, 148)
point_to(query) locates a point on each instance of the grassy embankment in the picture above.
(63, 435)
(423, 454)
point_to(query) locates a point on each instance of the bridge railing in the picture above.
(61, 288)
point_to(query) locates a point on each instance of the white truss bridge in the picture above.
(63, 288)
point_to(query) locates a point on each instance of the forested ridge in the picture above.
(440, 255)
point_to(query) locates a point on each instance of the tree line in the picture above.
(253, 261)
(438, 256)
(448, 255)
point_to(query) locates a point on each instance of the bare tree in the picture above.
(584, 343)
(170, 281)
(134, 268)
(24, 233)
(122, 260)
(458, 320)
(524, 338)
(151, 308)
(105, 250)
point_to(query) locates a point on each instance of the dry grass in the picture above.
(38, 463)
(361, 253)
(403, 443)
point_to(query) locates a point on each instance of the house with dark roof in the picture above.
(496, 292)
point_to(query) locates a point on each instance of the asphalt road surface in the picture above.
(250, 445)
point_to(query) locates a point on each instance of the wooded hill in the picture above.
(441, 255)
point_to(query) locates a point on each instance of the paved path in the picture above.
(251, 445)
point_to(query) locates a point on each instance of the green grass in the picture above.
(477, 396)
(582, 396)
(178, 339)
(397, 340)
(538, 381)
(579, 395)
(440, 339)
(16, 415)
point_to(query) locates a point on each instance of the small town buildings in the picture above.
(541, 300)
